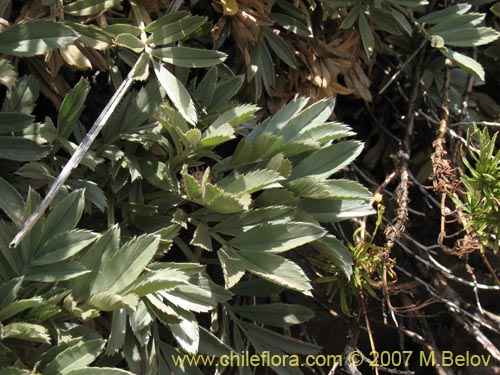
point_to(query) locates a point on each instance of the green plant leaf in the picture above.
(366, 35)
(153, 281)
(232, 267)
(201, 237)
(176, 92)
(459, 22)
(495, 8)
(65, 215)
(99, 371)
(89, 7)
(270, 339)
(56, 272)
(22, 97)
(445, 14)
(251, 182)
(383, 20)
(93, 193)
(206, 88)
(77, 356)
(118, 269)
(82, 312)
(321, 133)
(280, 48)
(235, 116)
(409, 3)
(11, 202)
(20, 305)
(136, 110)
(21, 149)
(308, 118)
(165, 20)
(211, 344)
(237, 224)
(335, 210)
(213, 137)
(193, 188)
(7, 74)
(277, 238)
(32, 240)
(186, 332)
(275, 314)
(15, 371)
(189, 57)
(164, 313)
(105, 246)
(173, 31)
(109, 301)
(71, 108)
(264, 148)
(466, 62)
(291, 24)
(275, 124)
(14, 122)
(470, 36)
(225, 91)
(198, 298)
(8, 292)
(351, 17)
(26, 331)
(130, 41)
(257, 288)
(402, 22)
(310, 187)
(275, 269)
(91, 35)
(218, 200)
(337, 252)
(117, 333)
(122, 28)
(35, 37)
(62, 247)
(328, 160)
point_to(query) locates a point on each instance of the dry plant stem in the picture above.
(402, 349)
(404, 153)
(440, 166)
(79, 153)
(388, 370)
(351, 346)
(480, 337)
(434, 264)
(367, 322)
(419, 339)
(387, 181)
(471, 327)
(396, 75)
(394, 231)
(441, 370)
(450, 303)
(470, 270)
(490, 268)
(381, 188)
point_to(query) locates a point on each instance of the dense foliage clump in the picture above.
(148, 211)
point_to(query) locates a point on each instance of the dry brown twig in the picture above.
(393, 231)
(398, 226)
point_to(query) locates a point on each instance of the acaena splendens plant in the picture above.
(175, 214)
